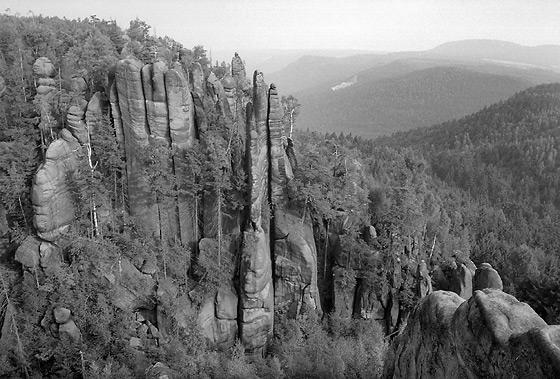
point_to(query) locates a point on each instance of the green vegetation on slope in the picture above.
(504, 160)
(374, 107)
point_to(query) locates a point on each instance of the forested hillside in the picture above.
(386, 101)
(505, 160)
(391, 92)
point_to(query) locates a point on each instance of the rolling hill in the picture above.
(383, 103)
(310, 71)
(371, 98)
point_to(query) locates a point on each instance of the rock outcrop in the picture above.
(44, 71)
(486, 277)
(151, 106)
(490, 335)
(52, 198)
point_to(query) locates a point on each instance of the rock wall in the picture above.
(154, 105)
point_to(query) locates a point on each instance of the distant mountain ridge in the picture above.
(545, 56)
(388, 103)
(371, 107)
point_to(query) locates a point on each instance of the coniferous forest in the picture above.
(380, 216)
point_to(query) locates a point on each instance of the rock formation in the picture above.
(153, 105)
(424, 282)
(486, 277)
(46, 86)
(490, 335)
(51, 195)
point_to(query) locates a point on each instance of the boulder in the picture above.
(69, 328)
(159, 371)
(43, 67)
(490, 335)
(135, 342)
(491, 318)
(486, 277)
(61, 315)
(131, 289)
(51, 196)
(28, 253)
(370, 234)
(149, 266)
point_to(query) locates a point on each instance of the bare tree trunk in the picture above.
(82, 361)
(94, 222)
(22, 75)
(325, 254)
(219, 194)
(22, 212)
(433, 246)
(291, 122)
(43, 145)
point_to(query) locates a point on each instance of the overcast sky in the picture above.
(380, 25)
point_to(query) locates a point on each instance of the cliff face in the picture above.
(156, 105)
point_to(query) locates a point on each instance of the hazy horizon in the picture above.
(377, 25)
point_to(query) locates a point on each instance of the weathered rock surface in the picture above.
(490, 335)
(280, 170)
(51, 196)
(28, 252)
(486, 277)
(131, 289)
(424, 282)
(256, 300)
(75, 120)
(43, 67)
(61, 315)
(69, 328)
(343, 293)
(258, 149)
(153, 105)
(461, 281)
(132, 106)
(97, 108)
(159, 371)
(295, 262)
(218, 318)
(44, 70)
(238, 67)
